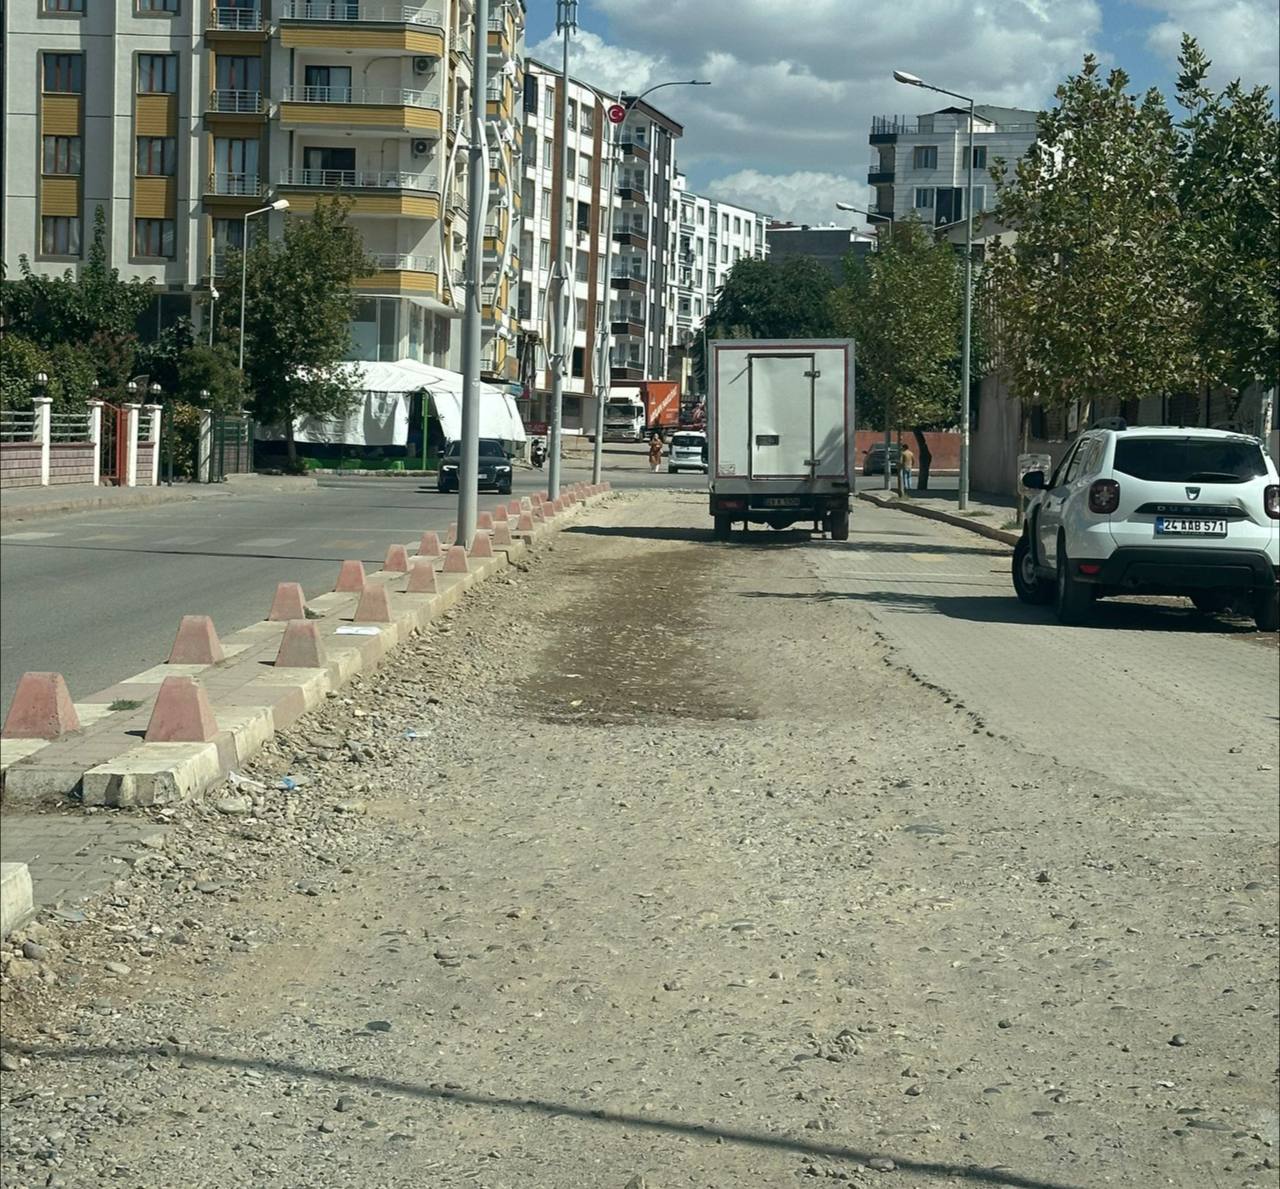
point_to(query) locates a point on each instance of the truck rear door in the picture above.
(780, 415)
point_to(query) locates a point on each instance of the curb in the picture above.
(16, 904)
(983, 530)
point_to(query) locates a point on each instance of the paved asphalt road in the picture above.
(97, 596)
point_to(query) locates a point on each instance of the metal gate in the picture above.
(113, 449)
(230, 447)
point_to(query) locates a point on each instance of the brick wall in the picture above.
(945, 447)
(71, 462)
(143, 477)
(19, 464)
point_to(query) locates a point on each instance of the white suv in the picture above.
(1161, 511)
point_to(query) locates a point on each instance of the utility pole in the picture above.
(566, 23)
(603, 337)
(477, 194)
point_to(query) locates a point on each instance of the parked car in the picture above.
(1160, 511)
(688, 452)
(873, 459)
(495, 467)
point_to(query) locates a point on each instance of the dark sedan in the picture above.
(495, 467)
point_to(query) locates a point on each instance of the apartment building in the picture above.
(631, 274)
(920, 166)
(178, 119)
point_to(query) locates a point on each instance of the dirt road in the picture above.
(705, 887)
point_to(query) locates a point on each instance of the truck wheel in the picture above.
(723, 524)
(840, 526)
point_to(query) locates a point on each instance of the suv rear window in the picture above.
(1190, 460)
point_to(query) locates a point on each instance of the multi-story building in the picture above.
(631, 274)
(708, 238)
(920, 166)
(829, 246)
(178, 118)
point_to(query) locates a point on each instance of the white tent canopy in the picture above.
(382, 418)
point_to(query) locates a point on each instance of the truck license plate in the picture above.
(1178, 526)
(779, 502)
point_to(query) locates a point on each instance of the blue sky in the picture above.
(783, 128)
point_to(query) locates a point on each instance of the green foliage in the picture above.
(1089, 299)
(1229, 196)
(20, 360)
(298, 309)
(183, 437)
(71, 370)
(760, 299)
(902, 306)
(212, 370)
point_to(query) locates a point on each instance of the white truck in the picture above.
(780, 417)
(624, 417)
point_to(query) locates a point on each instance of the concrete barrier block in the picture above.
(182, 713)
(502, 533)
(374, 605)
(196, 643)
(350, 578)
(451, 537)
(154, 774)
(500, 514)
(422, 577)
(455, 561)
(525, 523)
(311, 684)
(537, 499)
(288, 603)
(429, 546)
(397, 560)
(484, 520)
(481, 546)
(301, 646)
(41, 708)
(16, 903)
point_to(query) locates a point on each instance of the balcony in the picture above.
(235, 185)
(632, 237)
(880, 177)
(636, 150)
(627, 328)
(237, 103)
(401, 274)
(360, 12)
(372, 191)
(234, 20)
(622, 368)
(631, 190)
(362, 109)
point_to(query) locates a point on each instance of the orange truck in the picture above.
(635, 411)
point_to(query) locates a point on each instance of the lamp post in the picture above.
(911, 80)
(41, 380)
(280, 204)
(604, 328)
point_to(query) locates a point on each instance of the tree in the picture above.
(902, 306)
(298, 309)
(1089, 301)
(212, 370)
(762, 299)
(1229, 196)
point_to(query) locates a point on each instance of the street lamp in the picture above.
(604, 329)
(912, 80)
(861, 210)
(280, 204)
(41, 381)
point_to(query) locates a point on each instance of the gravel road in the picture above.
(703, 887)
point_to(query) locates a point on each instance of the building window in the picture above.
(157, 156)
(548, 154)
(157, 74)
(578, 353)
(979, 157)
(587, 121)
(544, 254)
(724, 253)
(924, 197)
(979, 198)
(228, 234)
(924, 156)
(60, 235)
(63, 74)
(153, 238)
(737, 225)
(531, 94)
(571, 117)
(702, 217)
(61, 155)
(76, 6)
(170, 6)
(243, 72)
(546, 205)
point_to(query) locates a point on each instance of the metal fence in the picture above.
(69, 427)
(17, 425)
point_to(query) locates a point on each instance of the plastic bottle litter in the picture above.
(417, 732)
(287, 783)
(238, 781)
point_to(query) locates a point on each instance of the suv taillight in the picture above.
(1104, 496)
(1271, 500)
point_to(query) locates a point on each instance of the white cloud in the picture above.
(806, 196)
(1242, 37)
(793, 91)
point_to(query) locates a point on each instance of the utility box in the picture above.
(780, 418)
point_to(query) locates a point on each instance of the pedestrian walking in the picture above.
(655, 453)
(908, 465)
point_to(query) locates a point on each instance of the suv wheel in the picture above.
(1211, 602)
(1031, 588)
(1074, 599)
(1266, 610)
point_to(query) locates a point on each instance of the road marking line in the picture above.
(26, 536)
(266, 542)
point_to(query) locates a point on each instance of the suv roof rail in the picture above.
(1110, 423)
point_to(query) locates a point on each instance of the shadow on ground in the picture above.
(967, 1172)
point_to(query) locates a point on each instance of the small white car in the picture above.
(1154, 510)
(688, 452)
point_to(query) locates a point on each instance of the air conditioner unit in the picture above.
(421, 148)
(423, 65)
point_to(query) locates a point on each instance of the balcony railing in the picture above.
(886, 125)
(497, 25)
(620, 273)
(374, 96)
(353, 179)
(241, 185)
(495, 88)
(492, 231)
(397, 262)
(237, 20)
(246, 103)
(360, 10)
